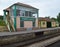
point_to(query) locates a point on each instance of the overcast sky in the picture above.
(46, 7)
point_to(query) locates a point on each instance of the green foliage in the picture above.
(2, 23)
(54, 19)
(47, 17)
(58, 18)
(1, 17)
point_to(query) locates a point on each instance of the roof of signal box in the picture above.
(21, 4)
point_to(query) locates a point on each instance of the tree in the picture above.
(47, 17)
(54, 19)
(58, 18)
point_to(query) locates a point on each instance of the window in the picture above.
(21, 23)
(22, 13)
(26, 13)
(34, 14)
(12, 12)
(43, 23)
(30, 14)
(18, 12)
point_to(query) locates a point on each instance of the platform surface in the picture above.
(24, 32)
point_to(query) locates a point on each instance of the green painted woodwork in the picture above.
(27, 19)
(4, 14)
(15, 23)
(14, 12)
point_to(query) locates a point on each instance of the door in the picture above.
(48, 24)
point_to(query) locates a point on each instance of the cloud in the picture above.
(49, 8)
(46, 7)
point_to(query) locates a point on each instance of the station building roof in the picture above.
(46, 19)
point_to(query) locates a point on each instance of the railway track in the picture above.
(40, 39)
(56, 44)
(31, 41)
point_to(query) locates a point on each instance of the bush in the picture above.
(1, 17)
(2, 23)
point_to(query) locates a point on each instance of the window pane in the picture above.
(21, 23)
(30, 14)
(26, 13)
(34, 14)
(22, 13)
(18, 12)
(12, 14)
